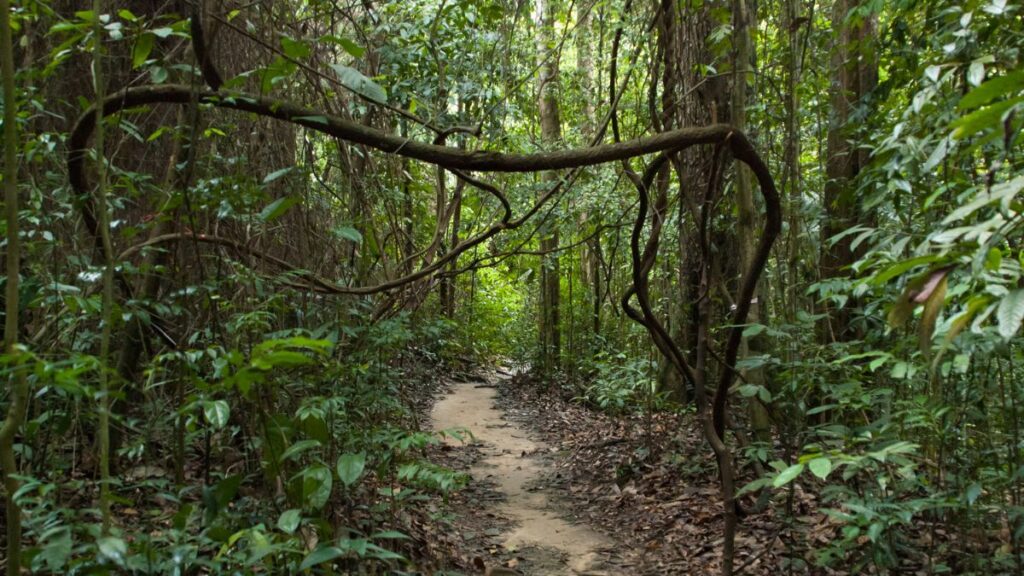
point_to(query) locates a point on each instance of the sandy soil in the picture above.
(547, 543)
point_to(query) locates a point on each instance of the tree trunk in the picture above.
(743, 22)
(699, 99)
(590, 263)
(551, 133)
(791, 157)
(854, 75)
(18, 391)
(693, 98)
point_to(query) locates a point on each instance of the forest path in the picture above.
(547, 543)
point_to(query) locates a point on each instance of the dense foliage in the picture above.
(218, 352)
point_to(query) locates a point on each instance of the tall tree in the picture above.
(18, 398)
(698, 97)
(791, 177)
(551, 133)
(590, 256)
(693, 97)
(744, 21)
(854, 74)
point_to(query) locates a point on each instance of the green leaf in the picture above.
(295, 49)
(390, 535)
(113, 549)
(874, 531)
(349, 46)
(992, 89)
(317, 346)
(298, 448)
(374, 551)
(61, 27)
(753, 330)
(975, 73)
(748, 390)
(822, 408)
(218, 496)
(349, 233)
(900, 370)
(158, 74)
(289, 520)
(350, 468)
(996, 7)
(55, 550)
(983, 118)
(1010, 313)
(357, 546)
(1003, 193)
(216, 413)
(276, 174)
(156, 133)
(277, 208)
(862, 356)
(973, 491)
(901, 267)
(320, 556)
(994, 259)
(787, 475)
(280, 359)
(820, 467)
(937, 156)
(352, 48)
(755, 485)
(317, 483)
(180, 519)
(142, 49)
(355, 81)
(901, 447)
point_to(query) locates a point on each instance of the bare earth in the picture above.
(548, 543)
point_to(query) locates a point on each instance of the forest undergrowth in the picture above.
(763, 262)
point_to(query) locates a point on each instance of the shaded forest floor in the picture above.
(648, 484)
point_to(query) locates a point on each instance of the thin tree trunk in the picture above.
(18, 398)
(743, 22)
(590, 252)
(107, 316)
(409, 245)
(551, 133)
(791, 157)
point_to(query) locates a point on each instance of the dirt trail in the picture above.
(548, 543)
